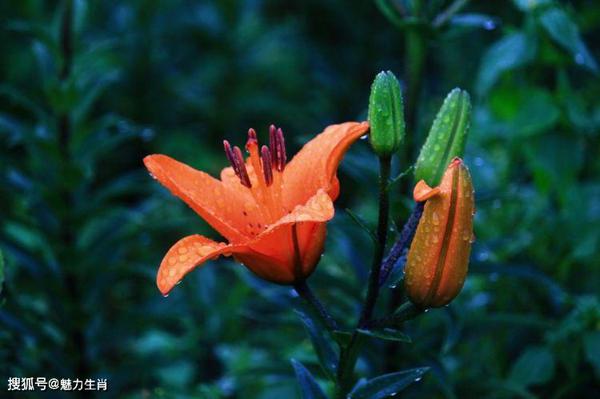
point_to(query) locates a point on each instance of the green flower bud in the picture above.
(446, 139)
(386, 115)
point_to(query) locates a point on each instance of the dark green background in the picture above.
(83, 227)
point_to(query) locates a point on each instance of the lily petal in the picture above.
(291, 242)
(185, 255)
(315, 166)
(423, 192)
(215, 202)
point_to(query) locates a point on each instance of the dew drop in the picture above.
(489, 25)
(165, 295)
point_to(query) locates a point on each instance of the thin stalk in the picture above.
(382, 229)
(406, 236)
(311, 299)
(349, 354)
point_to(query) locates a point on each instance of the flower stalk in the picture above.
(349, 354)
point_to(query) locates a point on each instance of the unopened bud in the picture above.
(446, 139)
(438, 258)
(386, 115)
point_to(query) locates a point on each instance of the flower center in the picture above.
(267, 164)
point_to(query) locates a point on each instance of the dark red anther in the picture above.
(272, 140)
(267, 165)
(243, 173)
(230, 156)
(251, 137)
(235, 158)
(280, 155)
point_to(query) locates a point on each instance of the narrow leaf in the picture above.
(309, 388)
(317, 333)
(389, 334)
(473, 20)
(388, 384)
(510, 52)
(534, 367)
(565, 32)
(390, 12)
(361, 223)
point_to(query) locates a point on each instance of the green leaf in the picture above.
(565, 32)
(360, 222)
(508, 53)
(528, 5)
(534, 367)
(317, 333)
(389, 334)
(524, 111)
(473, 20)
(591, 347)
(388, 384)
(309, 388)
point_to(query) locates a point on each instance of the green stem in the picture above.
(382, 229)
(349, 354)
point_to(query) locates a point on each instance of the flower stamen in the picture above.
(265, 156)
(236, 159)
(277, 147)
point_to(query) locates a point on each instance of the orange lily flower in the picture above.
(273, 215)
(438, 258)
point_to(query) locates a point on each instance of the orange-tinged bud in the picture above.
(439, 254)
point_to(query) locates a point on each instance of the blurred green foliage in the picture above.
(83, 228)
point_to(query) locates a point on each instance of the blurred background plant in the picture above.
(88, 88)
